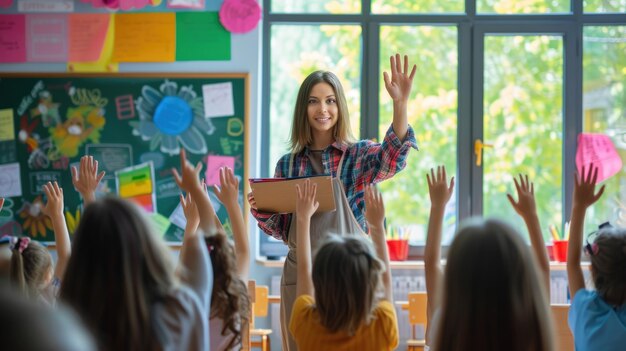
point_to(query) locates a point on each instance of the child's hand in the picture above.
(374, 207)
(399, 86)
(86, 181)
(306, 204)
(585, 186)
(228, 191)
(191, 212)
(54, 194)
(525, 206)
(440, 191)
(189, 180)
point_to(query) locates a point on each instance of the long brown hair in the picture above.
(229, 300)
(346, 275)
(493, 295)
(608, 265)
(301, 135)
(30, 268)
(117, 271)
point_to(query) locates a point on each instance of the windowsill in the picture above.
(409, 264)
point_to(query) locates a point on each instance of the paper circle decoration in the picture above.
(240, 16)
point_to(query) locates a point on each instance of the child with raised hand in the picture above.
(527, 209)
(597, 318)
(32, 269)
(86, 181)
(122, 283)
(345, 313)
(491, 295)
(229, 303)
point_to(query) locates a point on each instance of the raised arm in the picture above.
(305, 207)
(399, 89)
(86, 181)
(54, 210)
(375, 216)
(584, 196)
(440, 194)
(526, 208)
(189, 181)
(193, 220)
(228, 194)
(198, 273)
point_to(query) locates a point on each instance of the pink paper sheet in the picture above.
(12, 38)
(599, 150)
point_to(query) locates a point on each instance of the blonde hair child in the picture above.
(347, 272)
(491, 295)
(121, 281)
(230, 303)
(597, 318)
(32, 270)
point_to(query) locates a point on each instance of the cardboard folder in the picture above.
(278, 195)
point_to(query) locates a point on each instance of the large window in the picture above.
(505, 74)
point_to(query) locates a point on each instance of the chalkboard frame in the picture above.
(244, 187)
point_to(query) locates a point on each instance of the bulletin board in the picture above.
(48, 121)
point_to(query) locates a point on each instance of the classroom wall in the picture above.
(246, 58)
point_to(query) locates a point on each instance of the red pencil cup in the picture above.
(559, 250)
(398, 249)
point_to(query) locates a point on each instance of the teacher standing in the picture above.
(321, 143)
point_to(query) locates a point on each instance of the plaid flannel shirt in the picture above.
(365, 162)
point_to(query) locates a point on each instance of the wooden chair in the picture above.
(258, 308)
(564, 338)
(417, 315)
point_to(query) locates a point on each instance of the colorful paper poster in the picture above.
(6, 3)
(86, 36)
(104, 61)
(145, 37)
(12, 38)
(10, 181)
(200, 36)
(7, 128)
(185, 4)
(218, 100)
(240, 16)
(46, 38)
(45, 6)
(213, 165)
(599, 150)
(137, 184)
(135, 181)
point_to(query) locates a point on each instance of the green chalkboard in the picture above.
(48, 121)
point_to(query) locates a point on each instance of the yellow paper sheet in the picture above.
(104, 63)
(7, 131)
(145, 37)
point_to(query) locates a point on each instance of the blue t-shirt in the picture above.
(595, 324)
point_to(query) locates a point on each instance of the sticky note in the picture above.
(213, 165)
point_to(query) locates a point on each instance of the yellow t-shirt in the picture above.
(380, 334)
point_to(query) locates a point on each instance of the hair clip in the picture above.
(20, 244)
(595, 248)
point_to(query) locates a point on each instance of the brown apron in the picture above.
(341, 222)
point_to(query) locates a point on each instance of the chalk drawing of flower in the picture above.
(35, 222)
(170, 116)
